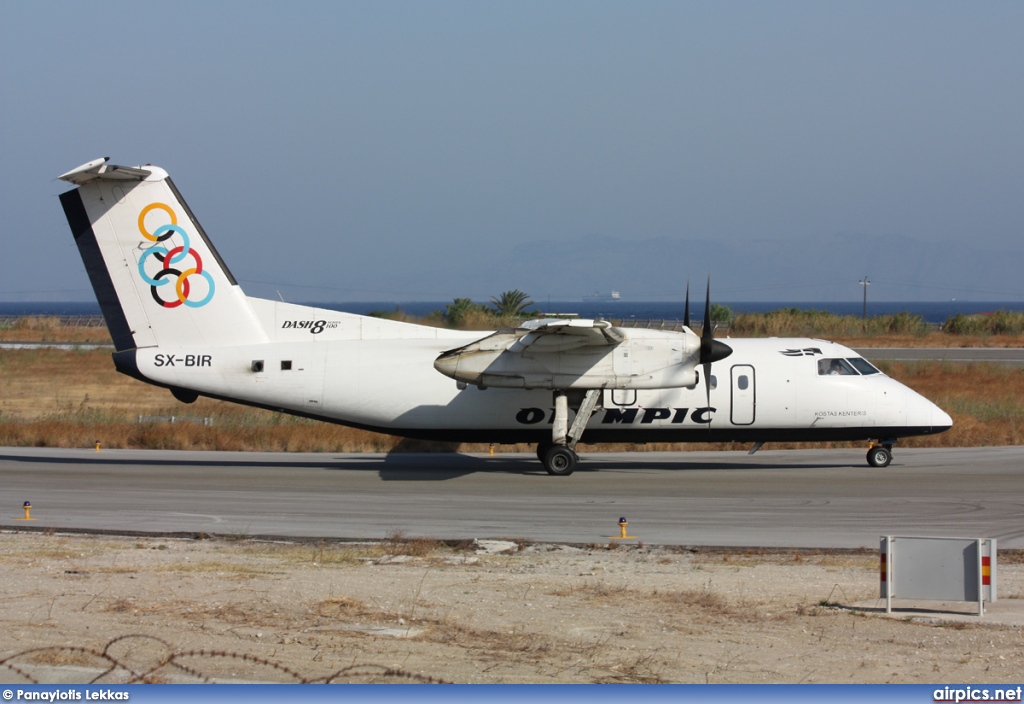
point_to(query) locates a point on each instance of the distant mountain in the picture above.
(811, 269)
(824, 269)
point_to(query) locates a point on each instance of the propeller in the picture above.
(711, 350)
(686, 310)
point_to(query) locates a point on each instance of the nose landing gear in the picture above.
(880, 454)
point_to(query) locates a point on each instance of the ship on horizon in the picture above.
(598, 297)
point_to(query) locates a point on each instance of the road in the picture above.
(804, 498)
(999, 355)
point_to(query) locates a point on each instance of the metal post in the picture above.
(888, 574)
(865, 283)
(981, 584)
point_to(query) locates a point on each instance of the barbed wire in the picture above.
(174, 660)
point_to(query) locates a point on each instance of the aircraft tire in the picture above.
(542, 450)
(560, 461)
(879, 457)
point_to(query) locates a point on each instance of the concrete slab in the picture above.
(1004, 612)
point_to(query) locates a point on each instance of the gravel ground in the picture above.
(79, 608)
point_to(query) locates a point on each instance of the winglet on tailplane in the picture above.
(157, 277)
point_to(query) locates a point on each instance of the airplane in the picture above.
(180, 320)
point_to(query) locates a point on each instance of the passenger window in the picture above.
(863, 366)
(835, 367)
(743, 382)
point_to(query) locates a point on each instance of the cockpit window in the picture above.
(835, 367)
(863, 366)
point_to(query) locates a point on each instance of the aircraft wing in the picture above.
(563, 334)
(575, 354)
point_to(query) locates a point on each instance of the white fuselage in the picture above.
(379, 374)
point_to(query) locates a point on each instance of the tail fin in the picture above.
(157, 277)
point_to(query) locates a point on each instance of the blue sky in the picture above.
(403, 150)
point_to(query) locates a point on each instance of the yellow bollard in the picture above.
(622, 527)
(492, 449)
(28, 507)
(97, 446)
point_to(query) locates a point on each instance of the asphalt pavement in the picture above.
(802, 498)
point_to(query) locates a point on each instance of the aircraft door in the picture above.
(744, 397)
(622, 367)
(619, 397)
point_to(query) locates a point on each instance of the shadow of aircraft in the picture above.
(435, 466)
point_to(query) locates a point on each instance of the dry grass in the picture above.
(49, 329)
(319, 553)
(343, 607)
(931, 339)
(64, 657)
(398, 543)
(710, 601)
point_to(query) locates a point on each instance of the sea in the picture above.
(930, 311)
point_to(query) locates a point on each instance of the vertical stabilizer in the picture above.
(157, 277)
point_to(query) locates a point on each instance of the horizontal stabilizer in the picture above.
(99, 168)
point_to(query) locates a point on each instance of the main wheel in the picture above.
(560, 461)
(543, 448)
(879, 456)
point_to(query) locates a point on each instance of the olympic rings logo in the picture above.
(170, 259)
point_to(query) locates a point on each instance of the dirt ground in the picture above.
(118, 609)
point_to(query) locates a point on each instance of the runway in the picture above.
(805, 498)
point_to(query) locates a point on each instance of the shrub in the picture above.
(1002, 322)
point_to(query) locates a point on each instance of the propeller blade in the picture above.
(686, 309)
(711, 350)
(706, 333)
(707, 389)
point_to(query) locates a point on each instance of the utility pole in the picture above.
(865, 283)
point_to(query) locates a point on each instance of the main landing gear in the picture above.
(559, 455)
(880, 454)
(559, 460)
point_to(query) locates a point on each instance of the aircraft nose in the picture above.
(940, 419)
(924, 414)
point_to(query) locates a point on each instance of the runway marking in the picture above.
(215, 519)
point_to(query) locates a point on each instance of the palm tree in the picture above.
(511, 303)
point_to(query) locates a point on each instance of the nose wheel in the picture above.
(880, 455)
